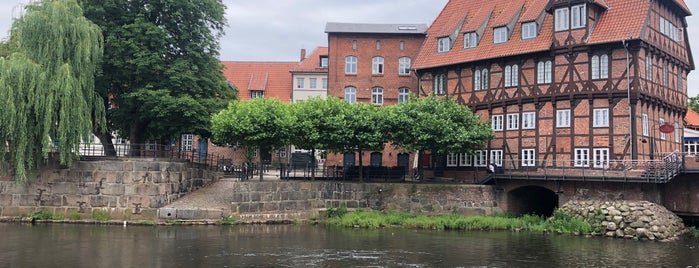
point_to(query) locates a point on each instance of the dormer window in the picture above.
(578, 18)
(443, 44)
(323, 62)
(500, 35)
(562, 19)
(529, 30)
(470, 40)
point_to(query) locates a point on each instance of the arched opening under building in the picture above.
(531, 199)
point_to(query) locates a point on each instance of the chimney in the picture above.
(303, 54)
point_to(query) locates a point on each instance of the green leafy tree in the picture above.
(440, 125)
(694, 104)
(261, 122)
(47, 84)
(160, 67)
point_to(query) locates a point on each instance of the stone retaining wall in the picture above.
(127, 189)
(628, 219)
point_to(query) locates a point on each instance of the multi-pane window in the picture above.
(577, 16)
(529, 120)
(452, 160)
(677, 131)
(691, 147)
(512, 121)
(600, 157)
(511, 75)
(500, 35)
(187, 142)
(669, 29)
(600, 67)
(644, 123)
(661, 122)
(649, 68)
(543, 72)
(666, 75)
(403, 94)
(528, 157)
(680, 85)
(563, 118)
(300, 82)
(351, 94)
(377, 96)
(529, 30)
(256, 94)
(440, 84)
(281, 153)
(465, 160)
(254, 152)
(582, 157)
(562, 19)
(404, 66)
(480, 79)
(496, 157)
(470, 40)
(325, 83)
(377, 65)
(323, 62)
(480, 158)
(313, 82)
(443, 44)
(496, 122)
(600, 118)
(350, 65)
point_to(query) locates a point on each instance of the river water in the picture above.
(59, 245)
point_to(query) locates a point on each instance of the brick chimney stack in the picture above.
(303, 54)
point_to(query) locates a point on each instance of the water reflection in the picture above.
(318, 246)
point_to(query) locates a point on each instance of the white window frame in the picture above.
(470, 40)
(477, 80)
(350, 65)
(677, 131)
(443, 44)
(351, 94)
(377, 96)
(529, 120)
(680, 84)
(563, 118)
(600, 117)
(254, 94)
(496, 157)
(496, 122)
(661, 122)
(324, 62)
(562, 19)
(465, 160)
(666, 74)
(313, 83)
(377, 65)
(440, 84)
(300, 82)
(529, 30)
(480, 158)
(500, 35)
(403, 95)
(187, 142)
(281, 153)
(528, 157)
(600, 157)
(404, 66)
(452, 160)
(511, 75)
(512, 121)
(543, 72)
(649, 68)
(578, 16)
(325, 83)
(581, 157)
(644, 125)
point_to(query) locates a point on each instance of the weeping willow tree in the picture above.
(47, 85)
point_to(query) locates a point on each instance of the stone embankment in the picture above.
(628, 219)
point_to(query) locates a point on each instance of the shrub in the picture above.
(74, 216)
(100, 216)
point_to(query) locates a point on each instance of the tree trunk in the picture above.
(313, 164)
(136, 138)
(361, 167)
(259, 157)
(107, 144)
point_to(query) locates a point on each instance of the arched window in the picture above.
(351, 94)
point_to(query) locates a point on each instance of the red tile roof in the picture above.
(271, 77)
(683, 6)
(621, 19)
(312, 63)
(691, 119)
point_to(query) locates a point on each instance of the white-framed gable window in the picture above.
(470, 40)
(529, 120)
(496, 122)
(528, 157)
(254, 94)
(600, 118)
(377, 65)
(562, 118)
(500, 35)
(512, 121)
(324, 62)
(480, 158)
(529, 30)
(443, 44)
(562, 19)
(644, 124)
(582, 157)
(578, 16)
(511, 75)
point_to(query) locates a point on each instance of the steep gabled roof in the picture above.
(691, 119)
(624, 20)
(271, 77)
(311, 64)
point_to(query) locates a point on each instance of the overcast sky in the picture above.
(274, 30)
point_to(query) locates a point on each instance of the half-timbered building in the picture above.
(584, 84)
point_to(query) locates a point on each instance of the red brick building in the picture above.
(576, 83)
(372, 63)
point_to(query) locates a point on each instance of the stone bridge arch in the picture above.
(532, 199)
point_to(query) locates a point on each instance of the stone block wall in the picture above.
(125, 188)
